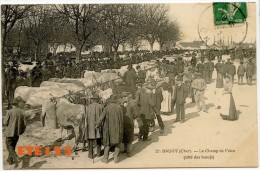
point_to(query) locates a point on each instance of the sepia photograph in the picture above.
(129, 85)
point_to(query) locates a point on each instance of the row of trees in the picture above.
(86, 25)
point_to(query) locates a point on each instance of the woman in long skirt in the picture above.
(228, 107)
(166, 92)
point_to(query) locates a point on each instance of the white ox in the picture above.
(26, 67)
(68, 116)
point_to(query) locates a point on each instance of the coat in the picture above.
(147, 104)
(180, 93)
(211, 66)
(141, 75)
(232, 70)
(180, 65)
(131, 113)
(249, 70)
(241, 70)
(15, 122)
(157, 97)
(112, 118)
(130, 78)
(200, 67)
(218, 67)
(193, 61)
(93, 113)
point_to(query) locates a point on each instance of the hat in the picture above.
(153, 83)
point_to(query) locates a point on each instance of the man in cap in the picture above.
(199, 87)
(16, 125)
(112, 119)
(91, 116)
(180, 94)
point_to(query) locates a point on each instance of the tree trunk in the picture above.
(160, 46)
(78, 53)
(115, 52)
(2, 64)
(123, 47)
(151, 47)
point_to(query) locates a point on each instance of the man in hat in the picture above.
(200, 67)
(146, 111)
(199, 87)
(193, 61)
(189, 79)
(131, 113)
(112, 119)
(180, 65)
(141, 75)
(157, 97)
(227, 64)
(16, 125)
(232, 71)
(218, 66)
(180, 94)
(241, 73)
(92, 134)
(211, 69)
(130, 78)
(206, 71)
(249, 73)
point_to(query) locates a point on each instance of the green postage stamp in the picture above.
(226, 13)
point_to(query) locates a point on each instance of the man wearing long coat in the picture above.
(112, 118)
(206, 69)
(130, 78)
(146, 112)
(232, 71)
(211, 69)
(92, 134)
(131, 113)
(249, 73)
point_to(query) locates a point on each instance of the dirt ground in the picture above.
(204, 140)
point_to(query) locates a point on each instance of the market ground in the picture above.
(225, 143)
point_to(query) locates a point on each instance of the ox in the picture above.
(68, 116)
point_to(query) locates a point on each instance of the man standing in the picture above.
(206, 71)
(112, 118)
(180, 94)
(218, 66)
(199, 87)
(130, 79)
(130, 114)
(227, 66)
(15, 122)
(146, 112)
(180, 65)
(200, 67)
(232, 71)
(211, 69)
(157, 97)
(249, 73)
(189, 79)
(193, 61)
(93, 135)
(140, 74)
(222, 69)
(241, 72)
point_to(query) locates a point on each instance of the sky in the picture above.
(188, 16)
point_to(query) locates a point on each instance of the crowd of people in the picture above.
(147, 97)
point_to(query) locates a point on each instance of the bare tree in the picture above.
(84, 19)
(10, 14)
(151, 17)
(119, 23)
(169, 32)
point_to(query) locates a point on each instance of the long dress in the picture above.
(228, 107)
(167, 100)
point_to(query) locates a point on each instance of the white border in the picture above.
(154, 1)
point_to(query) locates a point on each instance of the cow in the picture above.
(69, 116)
